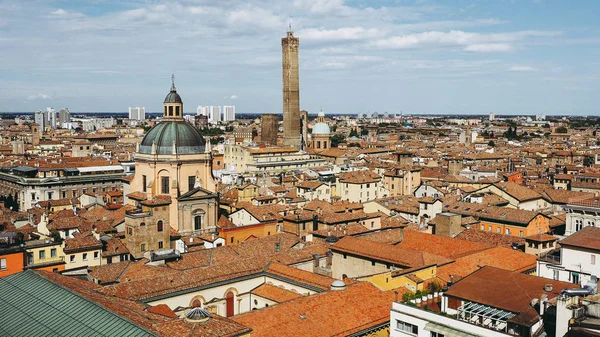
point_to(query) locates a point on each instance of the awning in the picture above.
(446, 331)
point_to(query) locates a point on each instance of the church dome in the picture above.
(187, 139)
(321, 129)
(173, 97)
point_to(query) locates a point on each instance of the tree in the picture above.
(353, 133)
(492, 143)
(254, 133)
(364, 132)
(337, 139)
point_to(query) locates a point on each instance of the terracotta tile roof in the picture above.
(109, 273)
(518, 191)
(503, 289)
(489, 238)
(387, 253)
(224, 223)
(157, 200)
(82, 242)
(359, 177)
(166, 283)
(114, 246)
(492, 213)
(137, 195)
(565, 196)
(274, 293)
(310, 185)
(588, 237)
(333, 313)
(541, 237)
(158, 319)
(499, 257)
(439, 245)
(299, 275)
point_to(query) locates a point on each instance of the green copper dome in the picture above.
(187, 139)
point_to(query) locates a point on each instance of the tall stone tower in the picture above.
(291, 90)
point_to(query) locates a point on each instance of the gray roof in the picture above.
(32, 305)
(187, 139)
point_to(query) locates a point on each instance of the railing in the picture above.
(137, 213)
(45, 261)
(552, 258)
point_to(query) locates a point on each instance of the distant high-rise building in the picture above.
(291, 90)
(202, 110)
(40, 119)
(51, 117)
(214, 114)
(269, 127)
(64, 118)
(492, 117)
(137, 113)
(228, 113)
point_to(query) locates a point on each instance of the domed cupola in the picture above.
(321, 128)
(173, 135)
(173, 104)
(320, 134)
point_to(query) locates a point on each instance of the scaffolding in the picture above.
(486, 316)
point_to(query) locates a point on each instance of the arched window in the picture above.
(159, 226)
(197, 222)
(198, 216)
(196, 303)
(142, 224)
(229, 303)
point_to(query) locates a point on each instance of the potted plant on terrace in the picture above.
(434, 288)
(424, 294)
(418, 296)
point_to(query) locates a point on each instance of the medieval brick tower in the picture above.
(291, 91)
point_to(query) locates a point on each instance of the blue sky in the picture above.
(509, 57)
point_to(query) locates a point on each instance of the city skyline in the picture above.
(531, 57)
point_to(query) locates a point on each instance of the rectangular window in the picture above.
(160, 244)
(164, 185)
(53, 252)
(520, 234)
(144, 183)
(407, 327)
(2, 264)
(96, 255)
(555, 274)
(191, 182)
(436, 334)
(143, 247)
(72, 258)
(84, 256)
(593, 261)
(373, 263)
(42, 254)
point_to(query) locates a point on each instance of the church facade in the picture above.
(173, 183)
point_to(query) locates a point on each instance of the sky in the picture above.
(416, 57)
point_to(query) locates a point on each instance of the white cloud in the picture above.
(340, 34)
(522, 69)
(473, 42)
(39, 97)
(64, 14)
(231, 97)
(319, 6)
(489, 47)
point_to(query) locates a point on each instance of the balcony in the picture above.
(49, 261)
(552, 256)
